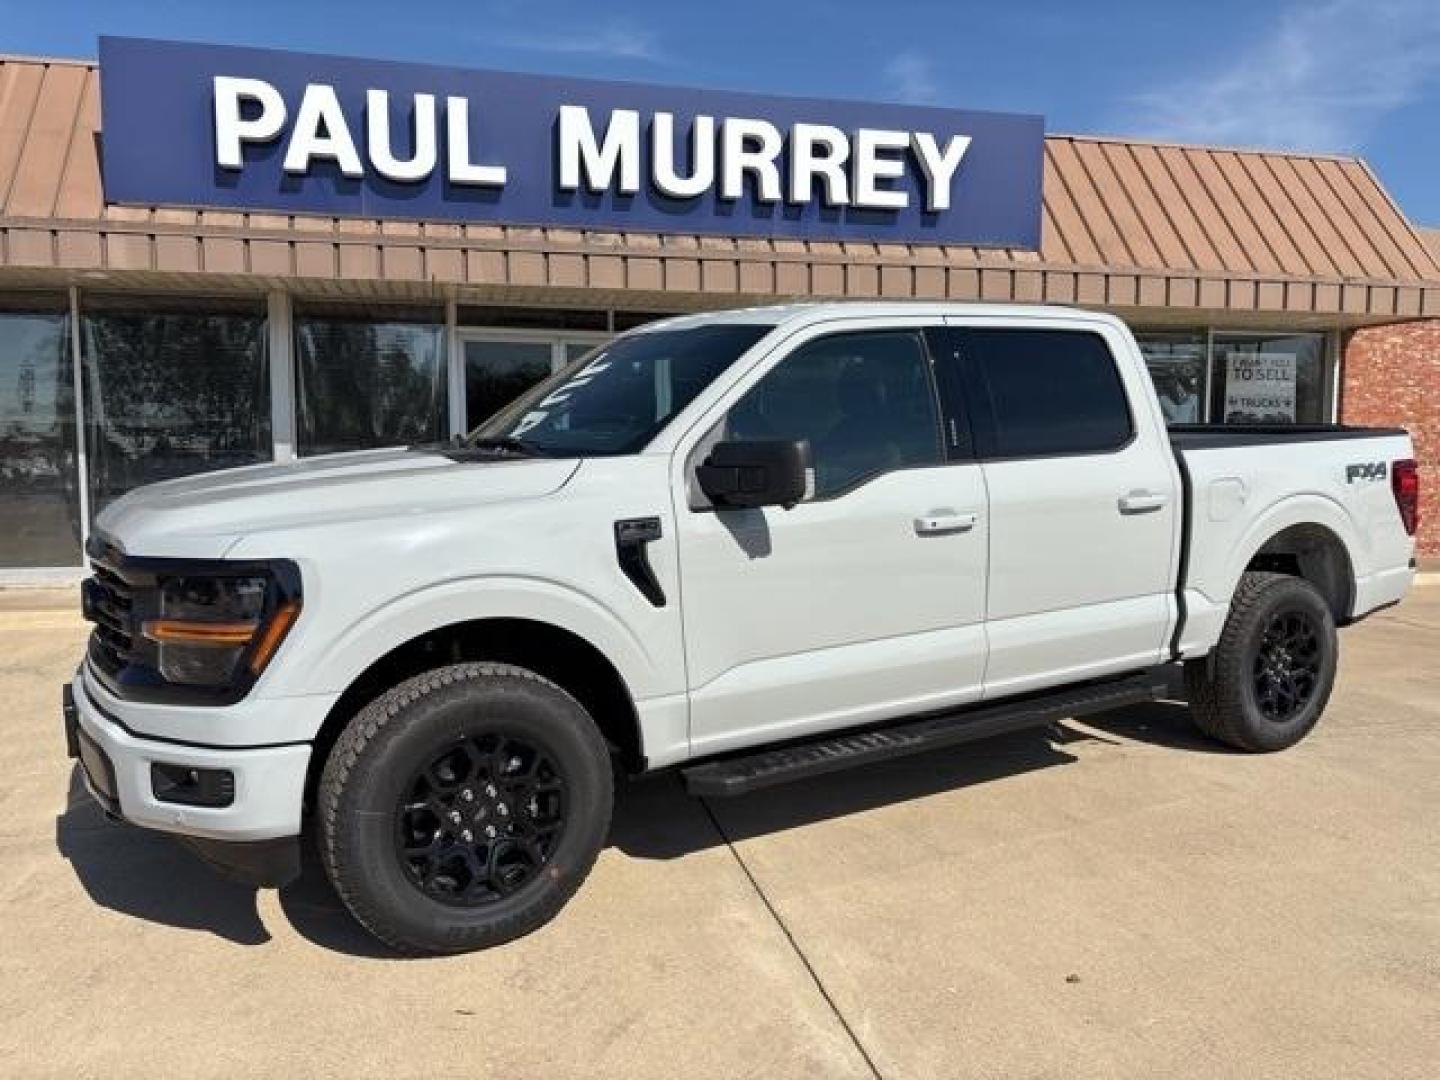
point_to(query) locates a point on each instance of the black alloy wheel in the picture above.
(481, 819)
(1287, 664)
(463, 807)
(1266, 681)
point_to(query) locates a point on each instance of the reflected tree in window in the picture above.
(367, 384)
(171, 394)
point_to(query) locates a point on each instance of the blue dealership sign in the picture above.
(258, 129)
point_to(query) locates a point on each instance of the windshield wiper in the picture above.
(505, 444)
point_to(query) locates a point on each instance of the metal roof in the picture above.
(1127, 225)
(803, 313)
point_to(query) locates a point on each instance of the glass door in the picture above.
(500, 365)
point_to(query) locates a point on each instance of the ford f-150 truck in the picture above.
(748, 546)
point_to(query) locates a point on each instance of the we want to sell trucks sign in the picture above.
(258, 129)
(1259, 388)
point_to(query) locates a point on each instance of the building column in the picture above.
(82, 459)
(454, 371)
(281, 329)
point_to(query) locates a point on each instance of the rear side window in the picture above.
(1048, 392)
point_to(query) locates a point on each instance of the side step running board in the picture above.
(737, 775)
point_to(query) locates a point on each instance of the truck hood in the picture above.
(205, 516)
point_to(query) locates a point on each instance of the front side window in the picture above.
(863, 401)
(172, 388)
(616, 399)
(1050, 392)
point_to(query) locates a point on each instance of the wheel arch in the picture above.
(564, 657)
(1313, 552)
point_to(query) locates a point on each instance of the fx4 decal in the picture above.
(1370, 470)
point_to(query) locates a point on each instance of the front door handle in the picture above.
(941, 522)
(1142, 502)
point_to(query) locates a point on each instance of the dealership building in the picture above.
(174, 298)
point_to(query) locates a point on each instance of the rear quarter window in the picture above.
(1046, 393)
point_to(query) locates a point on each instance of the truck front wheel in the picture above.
(1266, 682)
(464, 807)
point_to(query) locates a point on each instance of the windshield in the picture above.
(617, 398)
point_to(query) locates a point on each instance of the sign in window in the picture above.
(1259, 387)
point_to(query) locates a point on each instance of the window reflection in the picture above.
(1177, 368)
(367, 382)
(863, 402)
(172, 389)
(39, 501)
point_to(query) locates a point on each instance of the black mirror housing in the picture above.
(755, 472)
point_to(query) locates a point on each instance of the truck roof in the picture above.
(801, 313)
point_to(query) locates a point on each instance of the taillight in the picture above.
(1405, 482)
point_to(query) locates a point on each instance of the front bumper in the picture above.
(269, 781)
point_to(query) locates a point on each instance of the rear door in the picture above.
(1083, 496)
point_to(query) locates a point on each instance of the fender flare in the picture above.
(1306, 508)
(412, 615)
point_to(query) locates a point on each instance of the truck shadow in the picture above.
(1166, 724)
(149, 876)
(655, 819)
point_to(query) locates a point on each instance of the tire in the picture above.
(505, 752)
(1256, 690)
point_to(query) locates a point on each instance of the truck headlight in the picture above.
(213, 630)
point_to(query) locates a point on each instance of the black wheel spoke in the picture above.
(1287, 663)
(480, 819)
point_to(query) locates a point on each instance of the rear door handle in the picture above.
(941, 522)
(1142, 502)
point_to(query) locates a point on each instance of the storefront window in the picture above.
(39, 499)
(368, 379)
(1177, 367)
(1268, 379)
(172, 388)
(498, 370)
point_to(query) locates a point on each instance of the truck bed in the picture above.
(1245, 484)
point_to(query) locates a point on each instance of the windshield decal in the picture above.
(560, 394)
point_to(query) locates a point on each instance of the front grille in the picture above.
(110, 603)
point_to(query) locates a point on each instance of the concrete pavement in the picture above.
(1113, 898)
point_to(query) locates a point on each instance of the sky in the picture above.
(1347, 76)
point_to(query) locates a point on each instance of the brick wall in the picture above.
(1392, 376)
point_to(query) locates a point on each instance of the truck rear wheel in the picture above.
(464, 807)
(1266, 682)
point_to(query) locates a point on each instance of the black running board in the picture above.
(778, 765)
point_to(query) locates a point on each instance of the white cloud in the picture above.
(1319, 80)
(912, 79)
(613, 40)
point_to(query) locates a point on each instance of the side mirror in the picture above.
(757, 472)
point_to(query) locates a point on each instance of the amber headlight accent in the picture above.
(213, 629)
(274, 633)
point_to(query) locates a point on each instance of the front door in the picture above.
(864, 601)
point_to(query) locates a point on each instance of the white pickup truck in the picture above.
(749, 546)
